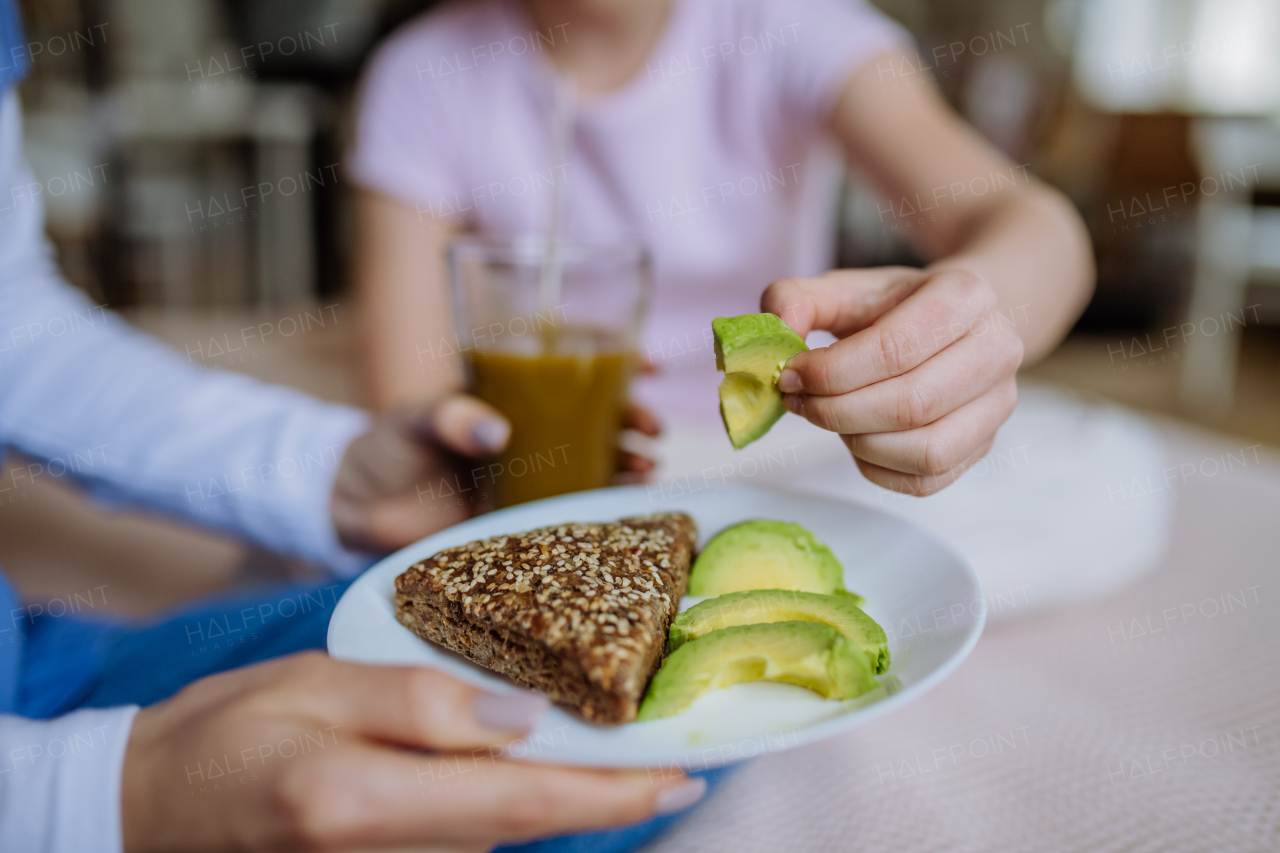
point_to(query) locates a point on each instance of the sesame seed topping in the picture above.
(591, 592)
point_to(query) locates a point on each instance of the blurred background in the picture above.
(190, 154)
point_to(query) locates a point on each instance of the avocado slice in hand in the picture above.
(808, 654)
(751, 349)
(760, 606)
(765, 554)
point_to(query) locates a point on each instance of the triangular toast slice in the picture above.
(577, 611)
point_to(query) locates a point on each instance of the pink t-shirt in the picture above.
(714, 155)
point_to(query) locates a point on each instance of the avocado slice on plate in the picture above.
(751, 350)
(808, 654)
(764, 554)
(760, 606)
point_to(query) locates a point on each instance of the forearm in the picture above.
(1023, 238)
(1034, 251)
(135, 423)
(409, 350)
(408, 355)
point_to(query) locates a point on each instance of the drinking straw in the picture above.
(563, 96)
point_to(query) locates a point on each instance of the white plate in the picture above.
(924, 594)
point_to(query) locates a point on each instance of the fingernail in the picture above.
(789, 381)
(508, 711)
(491, 433)
(680, 797)
(793, 403)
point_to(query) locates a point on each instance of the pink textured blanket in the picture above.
(1146, 720)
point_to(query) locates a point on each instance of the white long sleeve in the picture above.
(60, 781)
(90, 397)
(86, 396)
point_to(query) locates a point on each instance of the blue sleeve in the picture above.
(14, 59)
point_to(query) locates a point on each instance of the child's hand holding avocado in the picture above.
(920, 380)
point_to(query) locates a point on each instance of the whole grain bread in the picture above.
(577, 611)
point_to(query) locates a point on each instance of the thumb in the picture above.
(461, 423)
